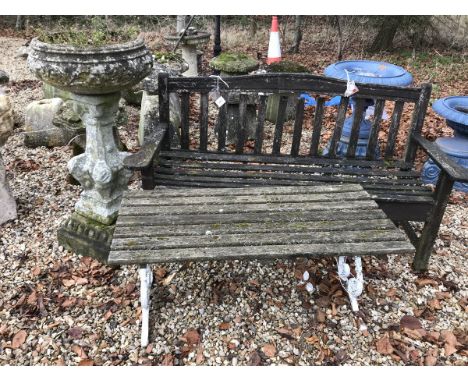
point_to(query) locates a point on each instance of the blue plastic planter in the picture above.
(455, 110)
(367, 72)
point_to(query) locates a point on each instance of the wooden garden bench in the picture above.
(392, 182)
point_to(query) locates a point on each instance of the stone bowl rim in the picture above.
(445, 107)
(46, 47)
(403, 79)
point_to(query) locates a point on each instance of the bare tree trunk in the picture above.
(384, 39)
(297, 35)
(19, 23)
(180, 23)
(340, 38)
(253, 26)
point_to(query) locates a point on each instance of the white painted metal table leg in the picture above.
(146, 279)
(353, 285)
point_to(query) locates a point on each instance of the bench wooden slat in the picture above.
(267, 252)
(287, 208)
(184, 120)
(393, 131)
(251, 217)
(221, 125)
(357, 118)
(242, 125)
(310, 169)
(260, 124)
(253, 240)
(342, 108)
(317, 127)
(374, 133)
(259, 227)
(283, 102)
(297, 134)
(281, 159)
(203, 121)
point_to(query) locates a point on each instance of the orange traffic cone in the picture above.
(274, 49)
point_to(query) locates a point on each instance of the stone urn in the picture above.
(188, 45)
(235, 64)
(95, 77)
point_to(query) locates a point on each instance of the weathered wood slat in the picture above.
(357, 118)
(297, 134)
(153, 199)
(184, 120)
(254, 240)
(251, 217)
(242, 125)
(283, 102)
(317, 127)
(264, 252)
(374, 133)
(221, 125)
(310, 169)
(162, 192)
(393, 131)
(260, 227)
(203, 121)
(282, 159)
(292, 83)
(260, 124)
(230, 209)
(342, 108)
(235, 176)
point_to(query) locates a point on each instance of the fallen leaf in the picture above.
(424, 281)
(224, 325)
(68, 282)
(200, 357)
(443, 295)
(168, 279)
(254, 359)
(75, 332)
(449, 349)
(86, 362)
(430, 360)
(415, 334)
(410, 322)
(79, 351)
(32, 299)
(168, 360)
(434, 304)
(384, 346)
(320, 316)
(269, 350)
(107, 315)
(36, 271)
(192, 337)
(432, 336)
(286, 333)
(18, 339)
(80, 280)
(312, 340)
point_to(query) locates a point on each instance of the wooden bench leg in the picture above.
(146, 279)
(354, 285)
(432, 224)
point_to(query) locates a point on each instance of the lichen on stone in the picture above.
(234, 63)
(286, 66)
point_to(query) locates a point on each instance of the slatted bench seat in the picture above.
(166, 225)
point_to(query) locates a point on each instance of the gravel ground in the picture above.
(62, 309)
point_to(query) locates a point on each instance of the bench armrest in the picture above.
(145, 156)
(447, 164)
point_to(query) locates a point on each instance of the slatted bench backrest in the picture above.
(322, 88)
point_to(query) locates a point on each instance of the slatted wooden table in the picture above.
(173, 225)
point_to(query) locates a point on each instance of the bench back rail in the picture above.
(259, 87)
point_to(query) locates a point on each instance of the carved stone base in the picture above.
(86, 237)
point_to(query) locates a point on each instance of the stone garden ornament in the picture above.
(95, 76)
(7, 202)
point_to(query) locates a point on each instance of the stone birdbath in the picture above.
(235, 64)
(95, 76)
(366, 72)
(455, 110)
(188, 45)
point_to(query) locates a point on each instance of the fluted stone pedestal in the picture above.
(102, 176)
